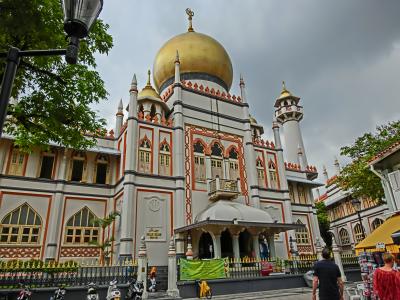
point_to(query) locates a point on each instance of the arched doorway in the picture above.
(206, 247)
(245, 244)
(226, 244)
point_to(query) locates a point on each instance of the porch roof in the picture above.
(273, 227)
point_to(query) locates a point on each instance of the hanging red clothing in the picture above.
(385, 284)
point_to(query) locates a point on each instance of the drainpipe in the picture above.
(383, 178)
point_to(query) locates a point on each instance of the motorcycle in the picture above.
(113, 293)
(91, 293)
(135, 290)
(25, 293)
(59, 294)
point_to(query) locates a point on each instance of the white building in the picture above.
(185, 160)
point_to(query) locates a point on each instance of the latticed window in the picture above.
(344, 236)
(291, 193)
(233, 164)
(102, 169)
(145, 156)
(358, 233)
(17, 162)
(164, 162)
(260, 173)
(81, 228)
(216, 161)
(78, 167)
(21, 226)
(302, 236)
(302, 194)
(273, 176)
(199, 162)
(376, 223)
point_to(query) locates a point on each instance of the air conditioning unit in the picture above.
(396, 237)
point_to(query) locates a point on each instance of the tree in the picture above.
(356, 176)
(53, 98)
(323, 223)
(105, 246)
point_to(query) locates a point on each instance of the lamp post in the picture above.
(79, 16)
(357, 206)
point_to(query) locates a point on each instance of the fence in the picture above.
(38, 274)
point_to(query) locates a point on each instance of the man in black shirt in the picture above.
(327, 275)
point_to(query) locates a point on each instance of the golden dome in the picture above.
(199, 54)
(285, 93)
(252, 120)
(148, 91)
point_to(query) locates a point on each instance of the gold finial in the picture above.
(190, 14)
(148, 78)
(283, 86)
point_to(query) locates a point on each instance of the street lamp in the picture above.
(357, 206)
(79, 16)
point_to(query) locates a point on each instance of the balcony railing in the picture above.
(223, 189)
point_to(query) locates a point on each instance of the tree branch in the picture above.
(44, 72)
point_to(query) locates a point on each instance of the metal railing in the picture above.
(38, 274)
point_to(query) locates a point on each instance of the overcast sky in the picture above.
(341, 57)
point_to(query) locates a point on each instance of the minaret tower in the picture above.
(289, 113)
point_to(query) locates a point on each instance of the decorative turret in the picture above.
(289, 113)
(325, 172)
(337, 166)
(119, 118)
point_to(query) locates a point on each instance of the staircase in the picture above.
(161, 277)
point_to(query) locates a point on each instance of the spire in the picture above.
(190, 14)
(241, 80)
(133, 83)
(148, 78)
(242, 89)
(337, 165)
(177, 57)
(177, 68)
(325, 172)
(120, 105)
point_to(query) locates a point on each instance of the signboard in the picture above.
(202, 269)
(380, 246)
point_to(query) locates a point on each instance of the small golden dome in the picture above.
(252, 120)
(198, 54)
(285, 93)
(148, 91)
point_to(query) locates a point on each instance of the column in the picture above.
(271, 245)
(256, 246)
(172, 271)
(338, 258)
(235, 244)
(142, 266)
(217, 246)
(56, 211)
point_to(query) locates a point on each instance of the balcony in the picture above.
(223, 189)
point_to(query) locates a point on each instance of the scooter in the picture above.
(25, 293)
(59, 294)
(153, 284)
(113, 293)
(135, 290)
(91, 293)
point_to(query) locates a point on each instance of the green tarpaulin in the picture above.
(202, 269)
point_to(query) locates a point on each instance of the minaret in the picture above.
(119, 118)
(129, 200)
(337, 166)
(289, 113)
(301, 158)
(325, 172)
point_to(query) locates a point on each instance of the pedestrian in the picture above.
(327, 276)
(385, 280)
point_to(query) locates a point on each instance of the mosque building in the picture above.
(185, 161)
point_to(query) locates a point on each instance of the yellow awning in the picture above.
(381, 235)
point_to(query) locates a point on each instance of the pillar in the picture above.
(235, 244)
(119, 119)
(271, 245)
(56, 212)
(172, 290)
(142, 266)
(217, 245)
(256, 246)
(337, 257)
(318, 248)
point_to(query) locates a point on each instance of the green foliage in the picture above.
(54, 98)
(324, 223)
(357, 176)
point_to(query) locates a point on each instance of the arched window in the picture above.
(81, 228)
(199, 162)
(273, 177)
(376, 223)
(21, 226)
(302, 236)
(233, 164)
(47, 164)
(17, 162)
(358, 233)
(302, 194)
(145, 155)
(344, 237)
(78, 167)
(102, 169)
(260, 173)
(164, 160)
(216, 161)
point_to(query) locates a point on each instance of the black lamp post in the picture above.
(79, 16)
(357, 206)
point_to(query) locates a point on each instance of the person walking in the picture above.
(386, 279)
(327, 276)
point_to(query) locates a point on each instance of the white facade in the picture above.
(161, 167)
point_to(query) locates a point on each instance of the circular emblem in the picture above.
(154, 204)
